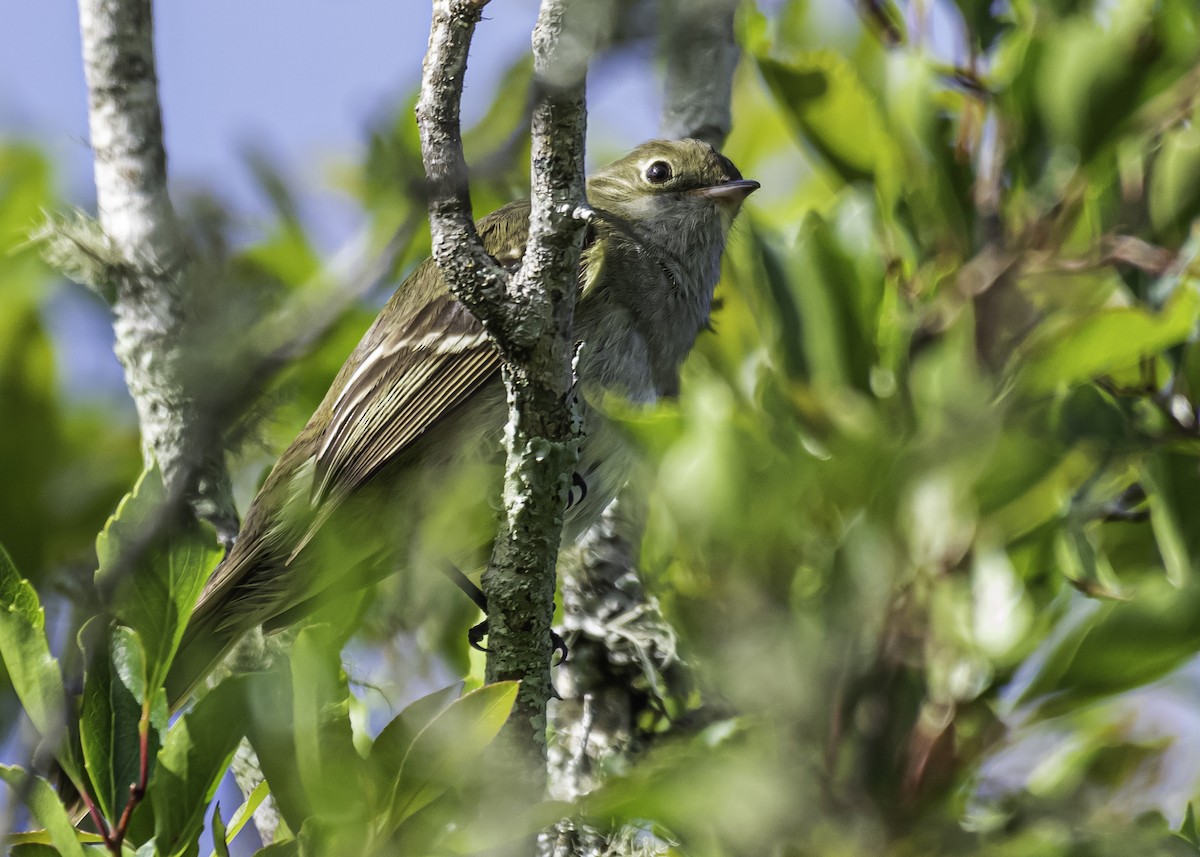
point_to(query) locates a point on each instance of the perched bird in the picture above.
(400, 463)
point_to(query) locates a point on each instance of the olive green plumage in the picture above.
(417, 410)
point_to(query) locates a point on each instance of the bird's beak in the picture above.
(732, 191)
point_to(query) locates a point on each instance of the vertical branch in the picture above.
(622, 643)
(529, 316)
(701, 55)
(541, 441)
(147, 283)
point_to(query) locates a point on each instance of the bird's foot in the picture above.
(476, 634)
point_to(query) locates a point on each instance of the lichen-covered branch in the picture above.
(475, 277)
(624, 664)
(529, 315)
(147, 271)
(701, 54)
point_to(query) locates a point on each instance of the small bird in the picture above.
(400, 465)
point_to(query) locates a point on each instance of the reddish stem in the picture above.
(94, 814)
(137, 790)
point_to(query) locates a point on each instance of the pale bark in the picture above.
(529, 315)
(149, 273)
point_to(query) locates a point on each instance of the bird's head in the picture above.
(670, 186)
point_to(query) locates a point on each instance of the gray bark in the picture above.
(698, 45)
(149, 273)
(624, 663)
(529, 315)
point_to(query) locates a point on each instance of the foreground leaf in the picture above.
(194, 756)
(152, 567)
(34, 673)
(393, 742)
(245, 812)
(45, 806)
(445, 753)
(220, 843)
(111, 712)
(325, 752)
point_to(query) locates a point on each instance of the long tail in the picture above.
(205, 643)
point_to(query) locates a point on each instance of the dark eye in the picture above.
(658, 172)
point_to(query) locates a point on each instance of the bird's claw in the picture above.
(577, 481)
(477, 632)
(560, 646)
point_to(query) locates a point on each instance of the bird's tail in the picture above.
(205, 643)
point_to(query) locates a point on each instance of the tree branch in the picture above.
(152, 268)
(701, 55)
(624, 663)
(529, 315)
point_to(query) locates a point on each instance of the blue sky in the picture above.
(299, 79)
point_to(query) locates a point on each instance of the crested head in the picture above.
(662, 183)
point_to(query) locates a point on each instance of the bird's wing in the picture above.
(404, 385)
(404, 379)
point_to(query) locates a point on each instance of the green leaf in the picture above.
(1167, 521)
(1113, 646)
(34, 673)
(445, 752)
(245, 812)
(153, 570)
(1106, 341)
(1090, 80)
(268, 725)
(1174, 192)
(393, 742)
(1188, 831)
(838, 308)
(26, 189)
(483, 833)
(832, 110)
(46, 808)
(328, 761)
(111, 712)
(33, 849)
(220, 843)
(193, 758)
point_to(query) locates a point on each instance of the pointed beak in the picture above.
(731, 191)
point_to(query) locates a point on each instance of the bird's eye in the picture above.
(658, 172)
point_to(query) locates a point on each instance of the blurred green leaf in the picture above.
(1093, 77)
(833, 111)
(394, 740)
(25, 194)
(32, 438)
(328, 762)
(1107, 340)
(1120, 645)
(838, 309)
(268, 727)
(1174, 190)
(194, 756)
(46, 807)
(444, 753)
(153, 569)
(34, 673)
